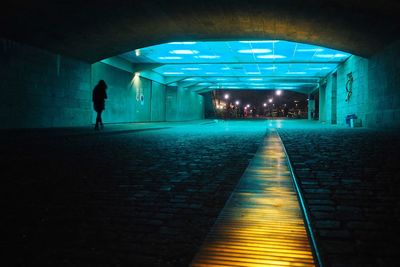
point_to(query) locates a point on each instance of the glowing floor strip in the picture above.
(261, 224)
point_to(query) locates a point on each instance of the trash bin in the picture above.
(351, 123)
(350, 119)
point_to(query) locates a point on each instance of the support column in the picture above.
(311, 107)
(322, 104)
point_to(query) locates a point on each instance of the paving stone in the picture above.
(337, 234)
(356, 217)
(362, 225)
(321, 208)
(148, 198)
(337, 247)
(134, 199)
(327, 224)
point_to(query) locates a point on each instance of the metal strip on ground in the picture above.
(262, 223)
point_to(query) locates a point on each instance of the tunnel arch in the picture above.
(92, 31)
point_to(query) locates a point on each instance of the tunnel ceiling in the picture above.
(266, 64)
(94, 30)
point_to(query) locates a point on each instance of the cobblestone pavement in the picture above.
(350, 179)
(148, 197)
(132, 198)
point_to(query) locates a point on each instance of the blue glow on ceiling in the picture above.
(265, 64)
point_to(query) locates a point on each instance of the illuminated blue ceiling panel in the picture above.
(241, 64)
(268, 70)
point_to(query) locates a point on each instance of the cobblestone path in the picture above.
(131, 199)
(148, 198)
(351, 182)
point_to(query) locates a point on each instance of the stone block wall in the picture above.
(330, 114)
(121, 96)
(183, 105)
(357, 104)
(384, 88)
(42, 89)
(326, 115)
(158, 103)
(375, 93)
(130, 98)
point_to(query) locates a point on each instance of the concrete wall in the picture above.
(138, 99)
(209, 110)
(121, 96)
(42, 89)
(130, 98)
(376, 90)
(183, 105)
(384, 88)
(358, 101)
(322, 104)
(158, 103)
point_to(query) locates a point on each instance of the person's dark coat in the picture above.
(99, 96)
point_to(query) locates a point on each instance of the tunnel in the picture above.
(234, 133)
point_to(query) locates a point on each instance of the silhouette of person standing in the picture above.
(99, 96)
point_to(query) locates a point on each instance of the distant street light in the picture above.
(278, 92)
(226, 96)
(265, 104)
(237, 102)
(270, 100)
(248, 105)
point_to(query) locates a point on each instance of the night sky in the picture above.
(258, 97)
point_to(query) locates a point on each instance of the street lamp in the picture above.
(226, 96)
(270, 100)
(265, 104)
(278, 92)
(237, 102)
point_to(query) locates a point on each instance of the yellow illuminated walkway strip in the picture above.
(261, 224)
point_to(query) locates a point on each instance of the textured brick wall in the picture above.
(42, 89)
